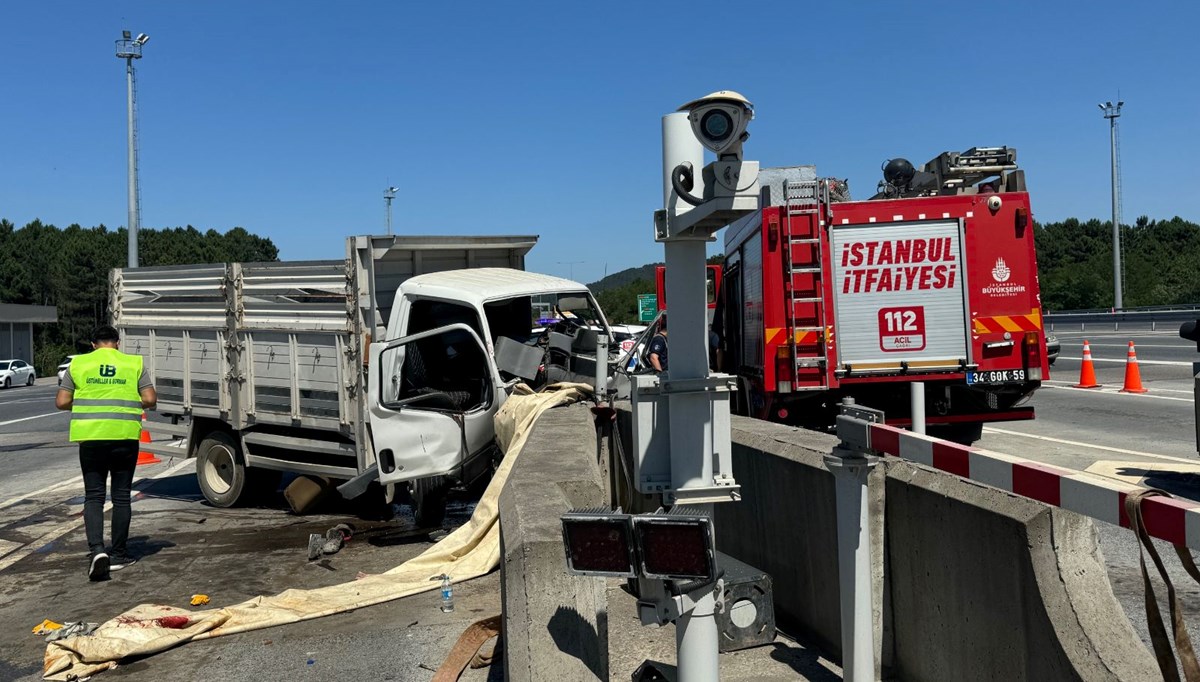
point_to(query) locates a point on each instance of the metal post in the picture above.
(134, 218)
(696, 635)
(697, 642)
(388, 195)
(917, 398)
(129, 49)
(1196, 400)
(601, 385)
(851, 471)
(1112, 112)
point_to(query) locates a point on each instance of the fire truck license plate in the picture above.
(902, 329)
(1000, 376)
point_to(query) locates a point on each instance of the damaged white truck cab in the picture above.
(469, 336)
(385, 367)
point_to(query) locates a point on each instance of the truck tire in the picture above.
(221, 470)
(963, 434)
(429, 501)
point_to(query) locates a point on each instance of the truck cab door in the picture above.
(431, 398)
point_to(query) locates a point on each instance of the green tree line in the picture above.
(1161, 267)
(41, 264)
(1161, 263)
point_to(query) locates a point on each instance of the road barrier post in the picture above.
(917, 398)
(851, 464)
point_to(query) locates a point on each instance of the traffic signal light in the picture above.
(599, 542)
(675, 545)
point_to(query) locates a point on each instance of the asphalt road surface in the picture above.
(187, 547)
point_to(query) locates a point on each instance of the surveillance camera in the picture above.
(719, 121)
(994, 203)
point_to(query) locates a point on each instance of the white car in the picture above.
(62, 369)
(16, 373)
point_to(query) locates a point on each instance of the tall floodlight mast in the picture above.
(1112, 112)
(388, 195)
(129, 49)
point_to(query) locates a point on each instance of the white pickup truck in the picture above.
(385, 367)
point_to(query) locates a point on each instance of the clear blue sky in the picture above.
(290, 119)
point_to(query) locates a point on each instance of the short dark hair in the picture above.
(662, 321)
(105, 333)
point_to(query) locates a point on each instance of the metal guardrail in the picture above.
(1151, 315)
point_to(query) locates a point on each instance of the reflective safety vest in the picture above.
(106, 404)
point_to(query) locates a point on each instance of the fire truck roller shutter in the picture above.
(899, 295)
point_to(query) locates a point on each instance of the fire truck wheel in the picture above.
(963, 434)
(429, 501)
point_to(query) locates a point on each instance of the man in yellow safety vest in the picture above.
(106, 391)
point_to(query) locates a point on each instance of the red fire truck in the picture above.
(934, 279)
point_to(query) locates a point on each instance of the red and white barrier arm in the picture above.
(1171, 519)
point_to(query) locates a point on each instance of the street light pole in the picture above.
(129, 49)
(388, 195)
(1112, 112)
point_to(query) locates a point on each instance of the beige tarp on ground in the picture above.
(469, 552)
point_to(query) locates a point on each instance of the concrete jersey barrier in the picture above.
(555, 624)
(971, 582)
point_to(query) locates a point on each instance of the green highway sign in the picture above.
(647, 307)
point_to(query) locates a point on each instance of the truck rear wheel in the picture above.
(221, 471)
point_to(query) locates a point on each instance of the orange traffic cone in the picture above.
(143, 456)
(1087, 372)
(1133, 375)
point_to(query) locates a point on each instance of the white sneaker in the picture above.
(119, 562)
(98, 570)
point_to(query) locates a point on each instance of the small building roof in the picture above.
(39, 314)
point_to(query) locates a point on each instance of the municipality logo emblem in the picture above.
(1001, 273)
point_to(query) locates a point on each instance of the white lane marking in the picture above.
(1071, 384)
(1090, 446)
(50, 488)
(68, 526)
(36, 416)
(1109, 332)
(1173, 363)
(1115, 391)
(21, 401)
(1188, 347)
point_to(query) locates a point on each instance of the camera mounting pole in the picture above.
(681, 427)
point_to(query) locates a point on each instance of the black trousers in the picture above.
(99, 460)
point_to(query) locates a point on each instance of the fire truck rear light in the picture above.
(676, 545)
(1022, 218)
(783, 369)
(599, 542)
(1033, 355)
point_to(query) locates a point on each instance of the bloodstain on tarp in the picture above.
(169, 622)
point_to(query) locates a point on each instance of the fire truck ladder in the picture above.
(806, 340)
